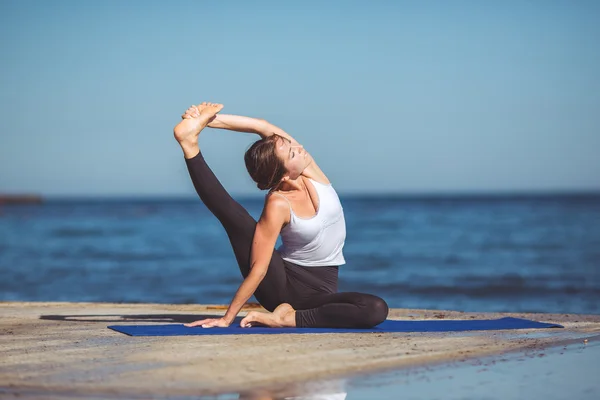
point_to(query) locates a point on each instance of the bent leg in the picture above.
(341, 310)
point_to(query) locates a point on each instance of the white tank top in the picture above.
(316, 241)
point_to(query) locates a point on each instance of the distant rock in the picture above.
(20, 199)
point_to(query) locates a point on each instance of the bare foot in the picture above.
(284, 316)
(189, 128)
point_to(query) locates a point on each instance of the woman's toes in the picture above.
(246, 321)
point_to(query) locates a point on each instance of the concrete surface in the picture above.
(58, 350)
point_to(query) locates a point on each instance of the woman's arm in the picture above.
(274, 216)
(265, 237)
(248, 124)
(238, 123)
(264, 129)
(260, 127)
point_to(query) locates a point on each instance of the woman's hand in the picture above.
(210, 323)
(191, 112)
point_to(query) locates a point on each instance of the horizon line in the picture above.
(406, 195)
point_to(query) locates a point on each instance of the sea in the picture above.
(480, 253)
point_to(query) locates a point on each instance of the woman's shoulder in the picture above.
(276, 204)
(275, 197)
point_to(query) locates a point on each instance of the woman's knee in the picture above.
(376, 310)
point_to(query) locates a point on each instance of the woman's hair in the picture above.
(262, 163)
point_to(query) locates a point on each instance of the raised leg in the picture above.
(238, 223)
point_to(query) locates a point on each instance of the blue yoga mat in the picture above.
(386, 326)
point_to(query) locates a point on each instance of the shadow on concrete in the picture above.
(160, 318)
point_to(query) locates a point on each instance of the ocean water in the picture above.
(479, 253)
(561, 372)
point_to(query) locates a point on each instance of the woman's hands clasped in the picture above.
(210, 323)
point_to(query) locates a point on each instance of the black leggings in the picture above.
(311, 291)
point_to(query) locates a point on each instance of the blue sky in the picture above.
(388, 96)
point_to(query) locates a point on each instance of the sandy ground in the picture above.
(56, 350)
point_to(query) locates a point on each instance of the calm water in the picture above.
(564, 372)
(537, 254)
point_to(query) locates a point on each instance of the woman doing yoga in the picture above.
(297, 283)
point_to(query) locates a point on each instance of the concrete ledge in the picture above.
(65, 350)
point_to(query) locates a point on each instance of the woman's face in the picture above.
(295, 158)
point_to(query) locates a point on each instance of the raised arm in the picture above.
(238, 123)
(248, 124)
(260, 127)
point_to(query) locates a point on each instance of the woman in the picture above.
(298, 282)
